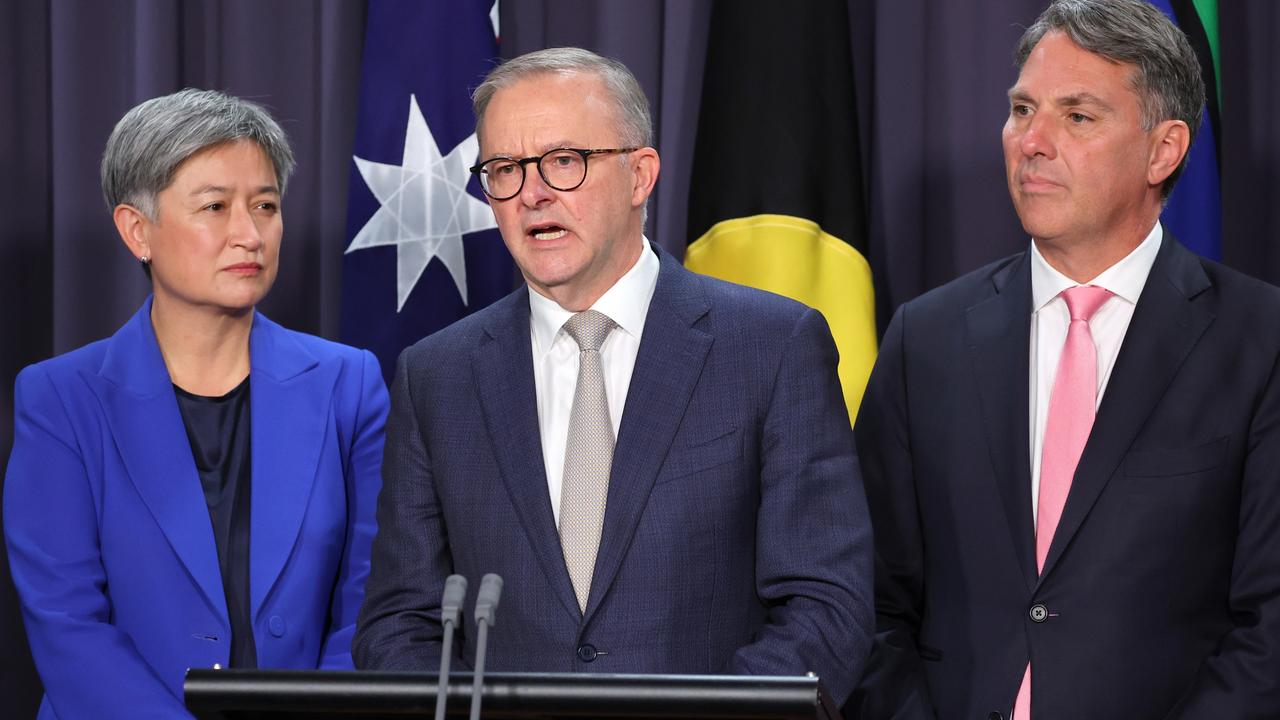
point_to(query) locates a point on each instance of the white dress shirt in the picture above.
(555, 359)
(1050, 319)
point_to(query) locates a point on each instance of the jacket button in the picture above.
(1039, 613)
(276, 626)
(994, 716)
(587, 653)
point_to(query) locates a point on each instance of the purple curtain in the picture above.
(1250, 144)
(930, 82)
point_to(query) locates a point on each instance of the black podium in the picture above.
(281, 694)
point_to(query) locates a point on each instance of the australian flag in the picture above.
(422, 249)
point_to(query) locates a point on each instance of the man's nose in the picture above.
(535, 190)
(1038, 137)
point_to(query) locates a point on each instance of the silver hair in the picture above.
(154, 138)
(635, 125)
(1166, 74)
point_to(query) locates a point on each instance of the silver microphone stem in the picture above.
(486, 605)
(455, 592)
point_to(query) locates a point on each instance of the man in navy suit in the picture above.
(1072, 455)
(725, 531)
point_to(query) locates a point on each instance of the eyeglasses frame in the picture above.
(537, 161)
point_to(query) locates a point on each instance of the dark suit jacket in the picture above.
(1162, 583)
(109, 535)
(735, 536)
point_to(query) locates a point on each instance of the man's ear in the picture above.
(1170, 141)
(645, 166)
(132, 223)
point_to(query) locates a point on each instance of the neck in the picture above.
(205, 351)
(1084, 258)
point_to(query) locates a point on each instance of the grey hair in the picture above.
(1167, 75)
(635, 124)
(154, 138)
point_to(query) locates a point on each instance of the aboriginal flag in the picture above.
(776, 198)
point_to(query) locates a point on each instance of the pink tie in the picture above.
(1071, 410)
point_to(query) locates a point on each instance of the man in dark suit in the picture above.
(724, 532)
(1072, 455)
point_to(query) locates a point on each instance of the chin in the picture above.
(238, 309)
(237, 304)
(550, 274)
(1039, 224)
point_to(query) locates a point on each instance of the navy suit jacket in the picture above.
(109, 537)
(1161, 589)
(735, 536)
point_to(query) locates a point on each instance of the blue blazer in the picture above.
(108, 531)
(735, 536)
(1160, 596)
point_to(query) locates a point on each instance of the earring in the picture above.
(146, 260)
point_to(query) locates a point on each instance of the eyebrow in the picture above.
(1083, 98)
(213, 189)
(1073, 100)
(558, 145)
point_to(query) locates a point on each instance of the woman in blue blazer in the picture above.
(197, 490)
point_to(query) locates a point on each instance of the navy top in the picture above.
(218, 429)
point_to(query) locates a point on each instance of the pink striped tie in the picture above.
(1071, 410)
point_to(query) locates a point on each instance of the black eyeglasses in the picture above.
(561, 169)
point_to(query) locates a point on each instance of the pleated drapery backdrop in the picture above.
(929, 84)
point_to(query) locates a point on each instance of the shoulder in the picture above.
(284, 353)
(1242, 305)
(935, 323)
(87, 358)
(1244, 301)
(1239, 287)
(319, 348)
(350, 379)
(357, 370)
(733, 308)
(324, 349)
(457, 341)
(958, 295)
(59, 378)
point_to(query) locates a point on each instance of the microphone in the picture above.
(486, 604)
(455, 591)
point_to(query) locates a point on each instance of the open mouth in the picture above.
(547, 232)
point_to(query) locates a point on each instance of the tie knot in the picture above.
(589, 328)
(1084, 300)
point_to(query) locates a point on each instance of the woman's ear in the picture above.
(132, 223)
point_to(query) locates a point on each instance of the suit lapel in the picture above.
(668, 365)
(290, 400)
(141, 410)
(998, 338)
(1166, 324)
(503, 363)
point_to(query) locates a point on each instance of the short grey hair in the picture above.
(635, 124)
(1167, 76)
(154, 138)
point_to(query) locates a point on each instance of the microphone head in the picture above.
(455, 592)
(487, 598)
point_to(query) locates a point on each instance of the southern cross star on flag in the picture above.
(422, 248)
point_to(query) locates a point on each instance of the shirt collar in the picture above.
(626, 303)
(1125, 279)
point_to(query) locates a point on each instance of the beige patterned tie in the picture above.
(587, 455)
